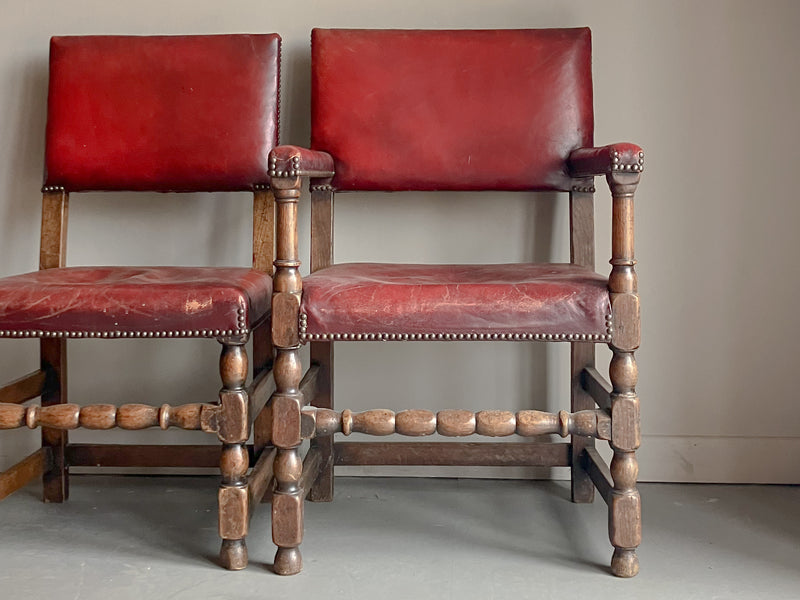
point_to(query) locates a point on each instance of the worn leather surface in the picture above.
(181, 301)
(586, 162)
(364, 298)
(161, 113)
(293, 160)
(454, 110)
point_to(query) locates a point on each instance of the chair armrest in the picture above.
(588, 162)
(294, 161)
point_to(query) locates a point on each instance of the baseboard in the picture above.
(720, 459)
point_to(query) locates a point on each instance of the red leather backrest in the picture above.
(162, 113)
(456, 110)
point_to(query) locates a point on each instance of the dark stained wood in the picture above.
(261, 478)
(494, 423)
(287, 502)
(53, 246)
(285, 314)
(309, 383)
(52, 254)
(581, 358)
(597, 387)
(311, 467)
(322, 357)
(55, 480)
(581, 221)
(581, 225)
(234, 430)
(138, 455)
(321, 229)
(598, 471)
(624, 506)
(25, 471)
(453, 453)
(23, 389)
(260, 390)
(263, 257)
(263, 230)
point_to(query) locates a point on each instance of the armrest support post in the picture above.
(287, 165)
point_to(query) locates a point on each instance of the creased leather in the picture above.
(451, 110)
(134, 299)
(586, 162)
(161, 113)
(404, 298)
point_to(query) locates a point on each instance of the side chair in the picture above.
(490, 110)
(157, 114)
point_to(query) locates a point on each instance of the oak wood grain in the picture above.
(459, 454)
(23, 389)
(29, 468)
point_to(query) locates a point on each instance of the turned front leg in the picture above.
(625, 513)
(234, 429)
(287, 499)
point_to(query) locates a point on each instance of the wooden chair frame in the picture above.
(303, 408)
(238, 411)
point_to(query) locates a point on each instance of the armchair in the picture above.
(163, 114)
(407, 111)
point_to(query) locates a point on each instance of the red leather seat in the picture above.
(369, 301)
(134, 302)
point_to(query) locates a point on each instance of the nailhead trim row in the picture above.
(383, 337)
(617, 166)
(208, 333)
(293, 172)
(322, 188)
(53, 188)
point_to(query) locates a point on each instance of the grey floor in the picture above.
(155, 537)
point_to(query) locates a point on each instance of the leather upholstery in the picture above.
(451, 110)
(161, 113)
(586, 162)
(293, 161)
(374, 299)
(133, 302)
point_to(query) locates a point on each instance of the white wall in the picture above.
(709, 89)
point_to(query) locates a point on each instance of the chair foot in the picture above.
(288, 561)
(233, 554)
(582, 487)
(625, 563)
(322, 490)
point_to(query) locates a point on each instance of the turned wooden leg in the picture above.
(55, 479)
(234, 429)
(625, 513)
(287, 499)
(582, 356)
(322, 354)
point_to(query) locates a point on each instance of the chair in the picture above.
(163, 114)
(469, 111)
